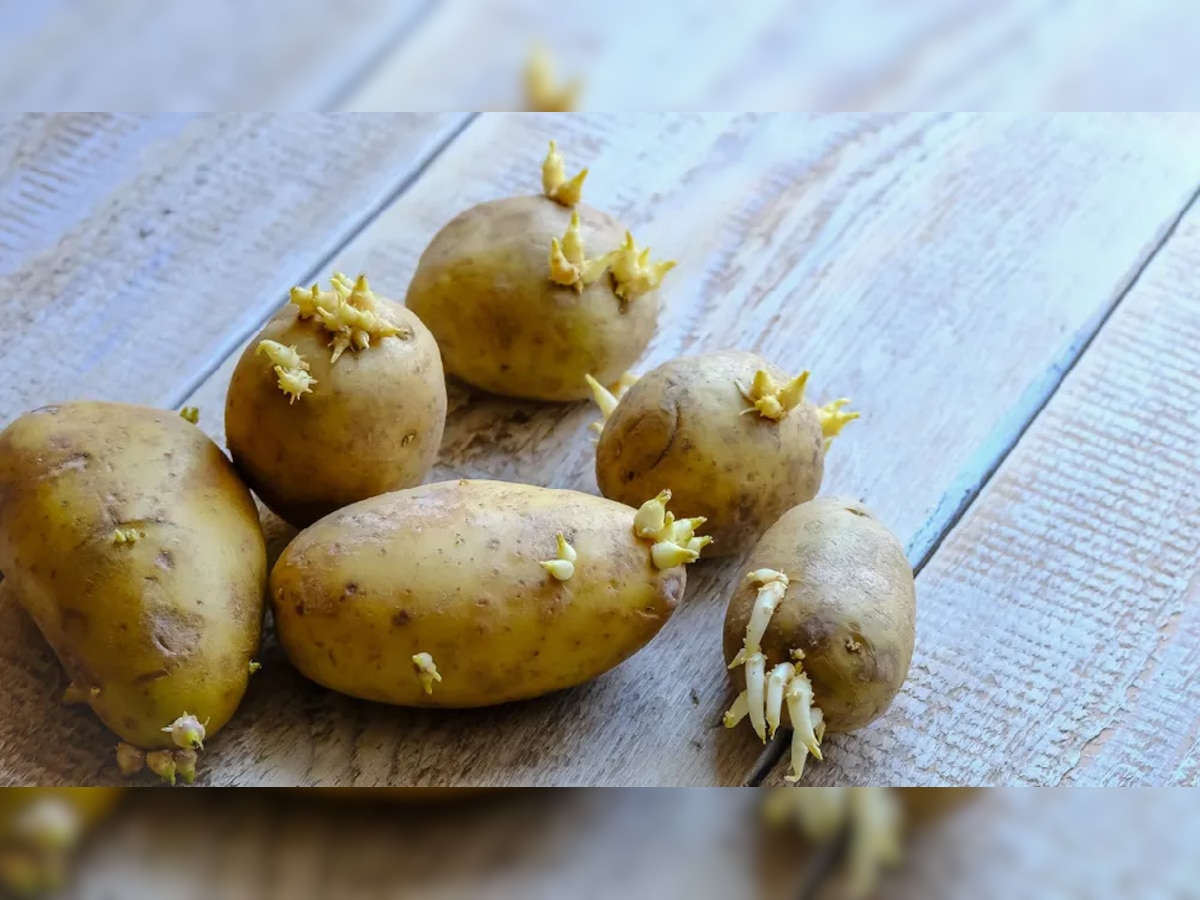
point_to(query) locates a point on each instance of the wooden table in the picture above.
(1010, 299)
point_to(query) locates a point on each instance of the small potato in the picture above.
(473, 593)
(127, 536)
(728, 433)
(341, 397)
(820, 634)
(526, 295)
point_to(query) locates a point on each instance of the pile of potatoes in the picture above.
(135, 545)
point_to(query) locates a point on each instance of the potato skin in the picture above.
(160, 626)
(483, 287)
(451, 569)
(372, 423)
(681, 426)
(849, 581)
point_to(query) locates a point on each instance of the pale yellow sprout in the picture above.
(162, 764)
(127, 535)
(426, 671)
(833, 420)
(187, 731)
(568, 264)
(633, 272)
(770, 400)
(555, 183)
(563, 566)
(541, 92)
(130, 759)
(608, 400)
(290, 367)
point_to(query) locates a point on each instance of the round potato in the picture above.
(473, 593)
(526, 295)
(820, 634)
(127, 536)
(339, 398)
(728, 433)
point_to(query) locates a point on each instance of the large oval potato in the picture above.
(138, 553)
(360, 422)
(843, 616)
(690, 427)
(509, 322)
(455, 570)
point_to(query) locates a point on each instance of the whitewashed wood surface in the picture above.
(942, 270)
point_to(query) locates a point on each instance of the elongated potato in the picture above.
(138, 553)
(729, 434)
(526, 295)
(820, 633)
(472, 593)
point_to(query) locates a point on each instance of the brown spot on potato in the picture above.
(165, 560)
(401, 618)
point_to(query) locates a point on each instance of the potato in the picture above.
(527, 295)
(728, 433)
(341, 397)
(820, 634)
(473, 593)
(127, 536)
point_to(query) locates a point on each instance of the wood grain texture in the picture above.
(1059, 625)
(157, 55)
(135, 253)
(702, 54)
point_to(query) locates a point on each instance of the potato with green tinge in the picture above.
(728, 433)
(820, 634)
(128, 537)
(473, 593)
(340, 397)
(526, 295)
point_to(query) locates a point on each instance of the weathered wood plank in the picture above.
(1059, 623)
(701, 54)
(136, 253)
(230, 54)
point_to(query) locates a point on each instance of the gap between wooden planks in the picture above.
(1059, 624)
(135, 252)
(876, 250)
